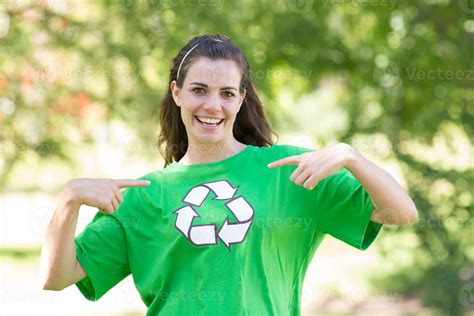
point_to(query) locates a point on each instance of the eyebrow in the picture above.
(206, 86)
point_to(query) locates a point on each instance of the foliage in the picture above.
(402, 70)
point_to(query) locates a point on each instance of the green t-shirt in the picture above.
(232, 237)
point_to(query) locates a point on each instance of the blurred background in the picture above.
(80, 82)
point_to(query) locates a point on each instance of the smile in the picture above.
(208, 124)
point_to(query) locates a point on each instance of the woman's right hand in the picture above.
(101, 193)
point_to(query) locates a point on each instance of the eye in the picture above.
(198, 90)
(228, 94)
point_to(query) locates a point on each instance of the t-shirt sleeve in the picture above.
(344, 208)
(102, 251)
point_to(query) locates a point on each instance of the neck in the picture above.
(207, 153)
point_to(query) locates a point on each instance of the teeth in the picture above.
(208, 120)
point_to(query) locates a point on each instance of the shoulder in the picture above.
(139, 193)
(284, 150)
(137, 200)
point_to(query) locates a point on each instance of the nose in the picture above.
(213, 103)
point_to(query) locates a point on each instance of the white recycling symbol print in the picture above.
(229, 233)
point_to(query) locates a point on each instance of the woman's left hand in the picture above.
(313, 166)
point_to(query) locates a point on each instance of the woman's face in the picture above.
(210, 91)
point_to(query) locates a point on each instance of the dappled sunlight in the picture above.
(80, 85)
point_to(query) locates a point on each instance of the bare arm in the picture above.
(59, 267)
(392, 204)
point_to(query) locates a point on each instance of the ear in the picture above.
(175, 92)
(242, 97)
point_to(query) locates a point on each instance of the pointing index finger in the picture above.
(292, 160)
(128, 183)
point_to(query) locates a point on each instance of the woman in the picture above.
(231, 223)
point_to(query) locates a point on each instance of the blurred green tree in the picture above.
(404, 70)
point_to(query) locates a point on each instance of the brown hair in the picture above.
(250, 127)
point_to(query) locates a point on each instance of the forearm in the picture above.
(58, 254)
(392, 203)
